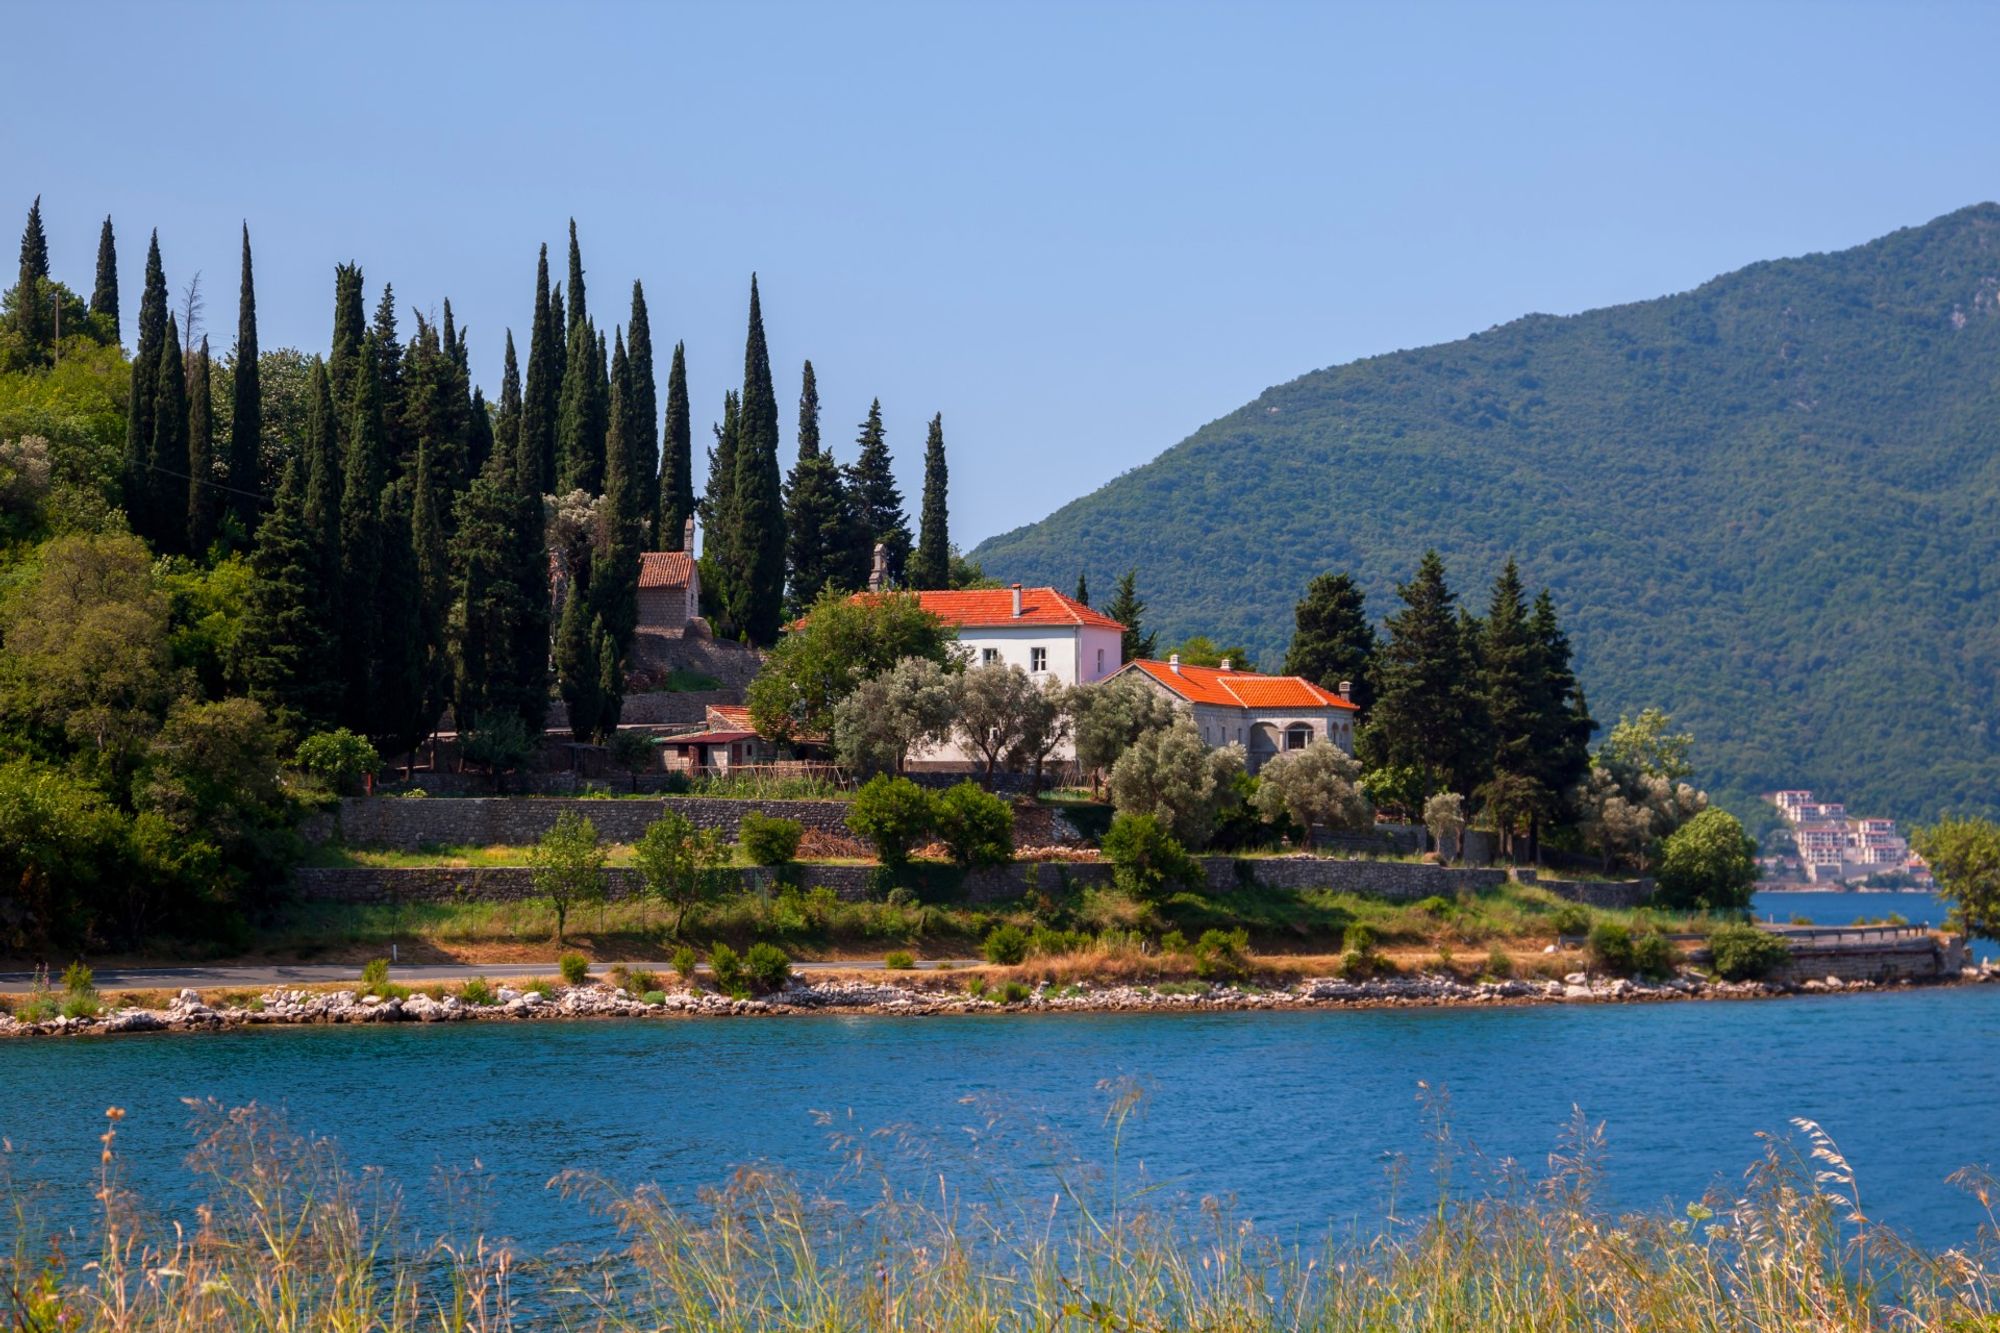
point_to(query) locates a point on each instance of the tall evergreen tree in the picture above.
(808, 413)
(364, 475)
(931, 566)
(578, 314)
(718, 513)
(1509, 675)
(579, 677)
(500, 639)
(1126, 608)
(246, 422)
(397, 685)
(1428, 714)
(872, 482)
(104, 294)
(145, 380)
(396, 441)
(34, 321)
(205, 489)
(479, 444)
(283, 645)
(642, 404)
(507, 421)
(614, 575)
(323, 486)
(760, 500)
(1333, 640)
(167, 496)
(559, 344)
(1560, 756)
(536, 434)
(676, 460)
(350, 326)
(1082, 588)
(821, 528)
(582, 415)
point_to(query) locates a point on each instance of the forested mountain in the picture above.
(1770, 505)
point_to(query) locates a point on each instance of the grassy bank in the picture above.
(287, 1237)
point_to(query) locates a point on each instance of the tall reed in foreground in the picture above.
(289, 1238)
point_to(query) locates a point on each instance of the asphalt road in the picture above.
(408, 974)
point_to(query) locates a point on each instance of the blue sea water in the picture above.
(1297, 1116)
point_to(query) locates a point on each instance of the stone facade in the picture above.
(408, 824)
(1401, 880)
(1619, 895)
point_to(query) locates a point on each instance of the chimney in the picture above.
(1017, 601)
(687, 535)
(1174, 663)
(878, 576)
(1347, 689)
(1225, 664)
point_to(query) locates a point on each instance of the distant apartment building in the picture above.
(1833, 846)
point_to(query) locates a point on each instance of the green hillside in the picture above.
(1771, 505)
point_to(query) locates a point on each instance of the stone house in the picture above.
(1266, 715)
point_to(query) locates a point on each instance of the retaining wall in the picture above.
(1620, 894)
(1401, 880)
(408, 824)
(1892, 960)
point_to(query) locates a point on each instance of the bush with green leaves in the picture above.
(1654, 956)
(1006, 944)
(374, 973)
(1173, 775)
(1173, 942)
(685, 963)
(1014, 992)
(976, 826)
(575, 968)
(500, 742)
(653, 997)
(340, 758)
(1708, 864)
(1742, 952)
(679, 864)
(477, 991)
(1147, 859)
(567, 866)
(1570, 920)
(1610, 948)
(1221, 955)
(898, 960)
(725, 965)
(767, 966)
(895, 815)
(1359, 938)
(1315, 787)
(770, 840)
(1499, 963)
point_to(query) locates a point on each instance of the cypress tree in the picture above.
(581, 419)
(578, 675)
(676, 461)
(364, 475)
(877, 500)
(642, 405)
(506, 423)
(145, 379)
(610, 683)
(205, 496)
(559, 346)
(396, 439)
(718, 512)
(398, 694)
(478, 435)
(1427, 712)
(283, 645)
(104, 294)
(34, 322)
(1333, 640)
(167, 496)
(1082, 588)
(578, 315)
(614, 575)
(349, 328)
(819, 520)
(808, 414)
(246, 422)
(536, 435)
(1129, 611)
(323, 489)
(931, 566)
(500, 642)
(760, 501)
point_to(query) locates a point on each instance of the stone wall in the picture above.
(1383, 879)
(408, 824)
(1617, 895)
(1885, 960)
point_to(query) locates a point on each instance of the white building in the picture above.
(1266, 715)
(1036, 629)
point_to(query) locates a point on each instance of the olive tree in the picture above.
(1047, 720)
(1109, 716)
(568, 866)
(1317, 787)
(997, 705)
(907, 707)
(1444, 816)
(680, 864)
(1171, 774)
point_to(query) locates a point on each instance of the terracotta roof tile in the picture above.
(1240, 689)
(988, 607)
(665, 569)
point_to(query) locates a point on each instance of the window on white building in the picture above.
(988, 656)
(1100, 661)
(1298, 736)
(1038, 659)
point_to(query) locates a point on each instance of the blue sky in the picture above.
(1079, 231)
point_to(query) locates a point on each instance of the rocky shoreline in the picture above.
(280, 1007)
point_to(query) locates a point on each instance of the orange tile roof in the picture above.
(1240, 689)
(665, 569)
(988, 607)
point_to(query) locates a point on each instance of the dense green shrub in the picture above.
(654, 997)
(1221, 955)
(1173, 942)
(1654, 955)
(768, 839)
(1014, 992)
(1570, 919)
(725, 965)
(340, 758)
(767, 966)
(639, 981)
(898, 960)
(1048, 942)
(1499, 964)
(374, 974)
(1708, 863)
(1746, 953)
(1610, 948)
(975, 825)
(893, 814)
(1147, 859)
(575, 968)
(684, 963)
(1359, 938)
(476, 991)
(1006, 944)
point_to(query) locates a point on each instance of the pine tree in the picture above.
(205, 493)
(1082, 588)
(931, 566)
(642, 405)
(760, 501)
(397, 445)
(104, 295)
(578, 315)
(246, 422)
(364, 475)
(614, 575)
(1333, 641)
(283, 647)
(167, 496)
(350, 326)
(536, 435)
(719, 564)
(1427, 712)
(1562, 725)
(1509, 675)
(872, 482)
(578, 673)
(676, 461)
(34, 321)
(145, 381)
(1129, 611)
(821, 529)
